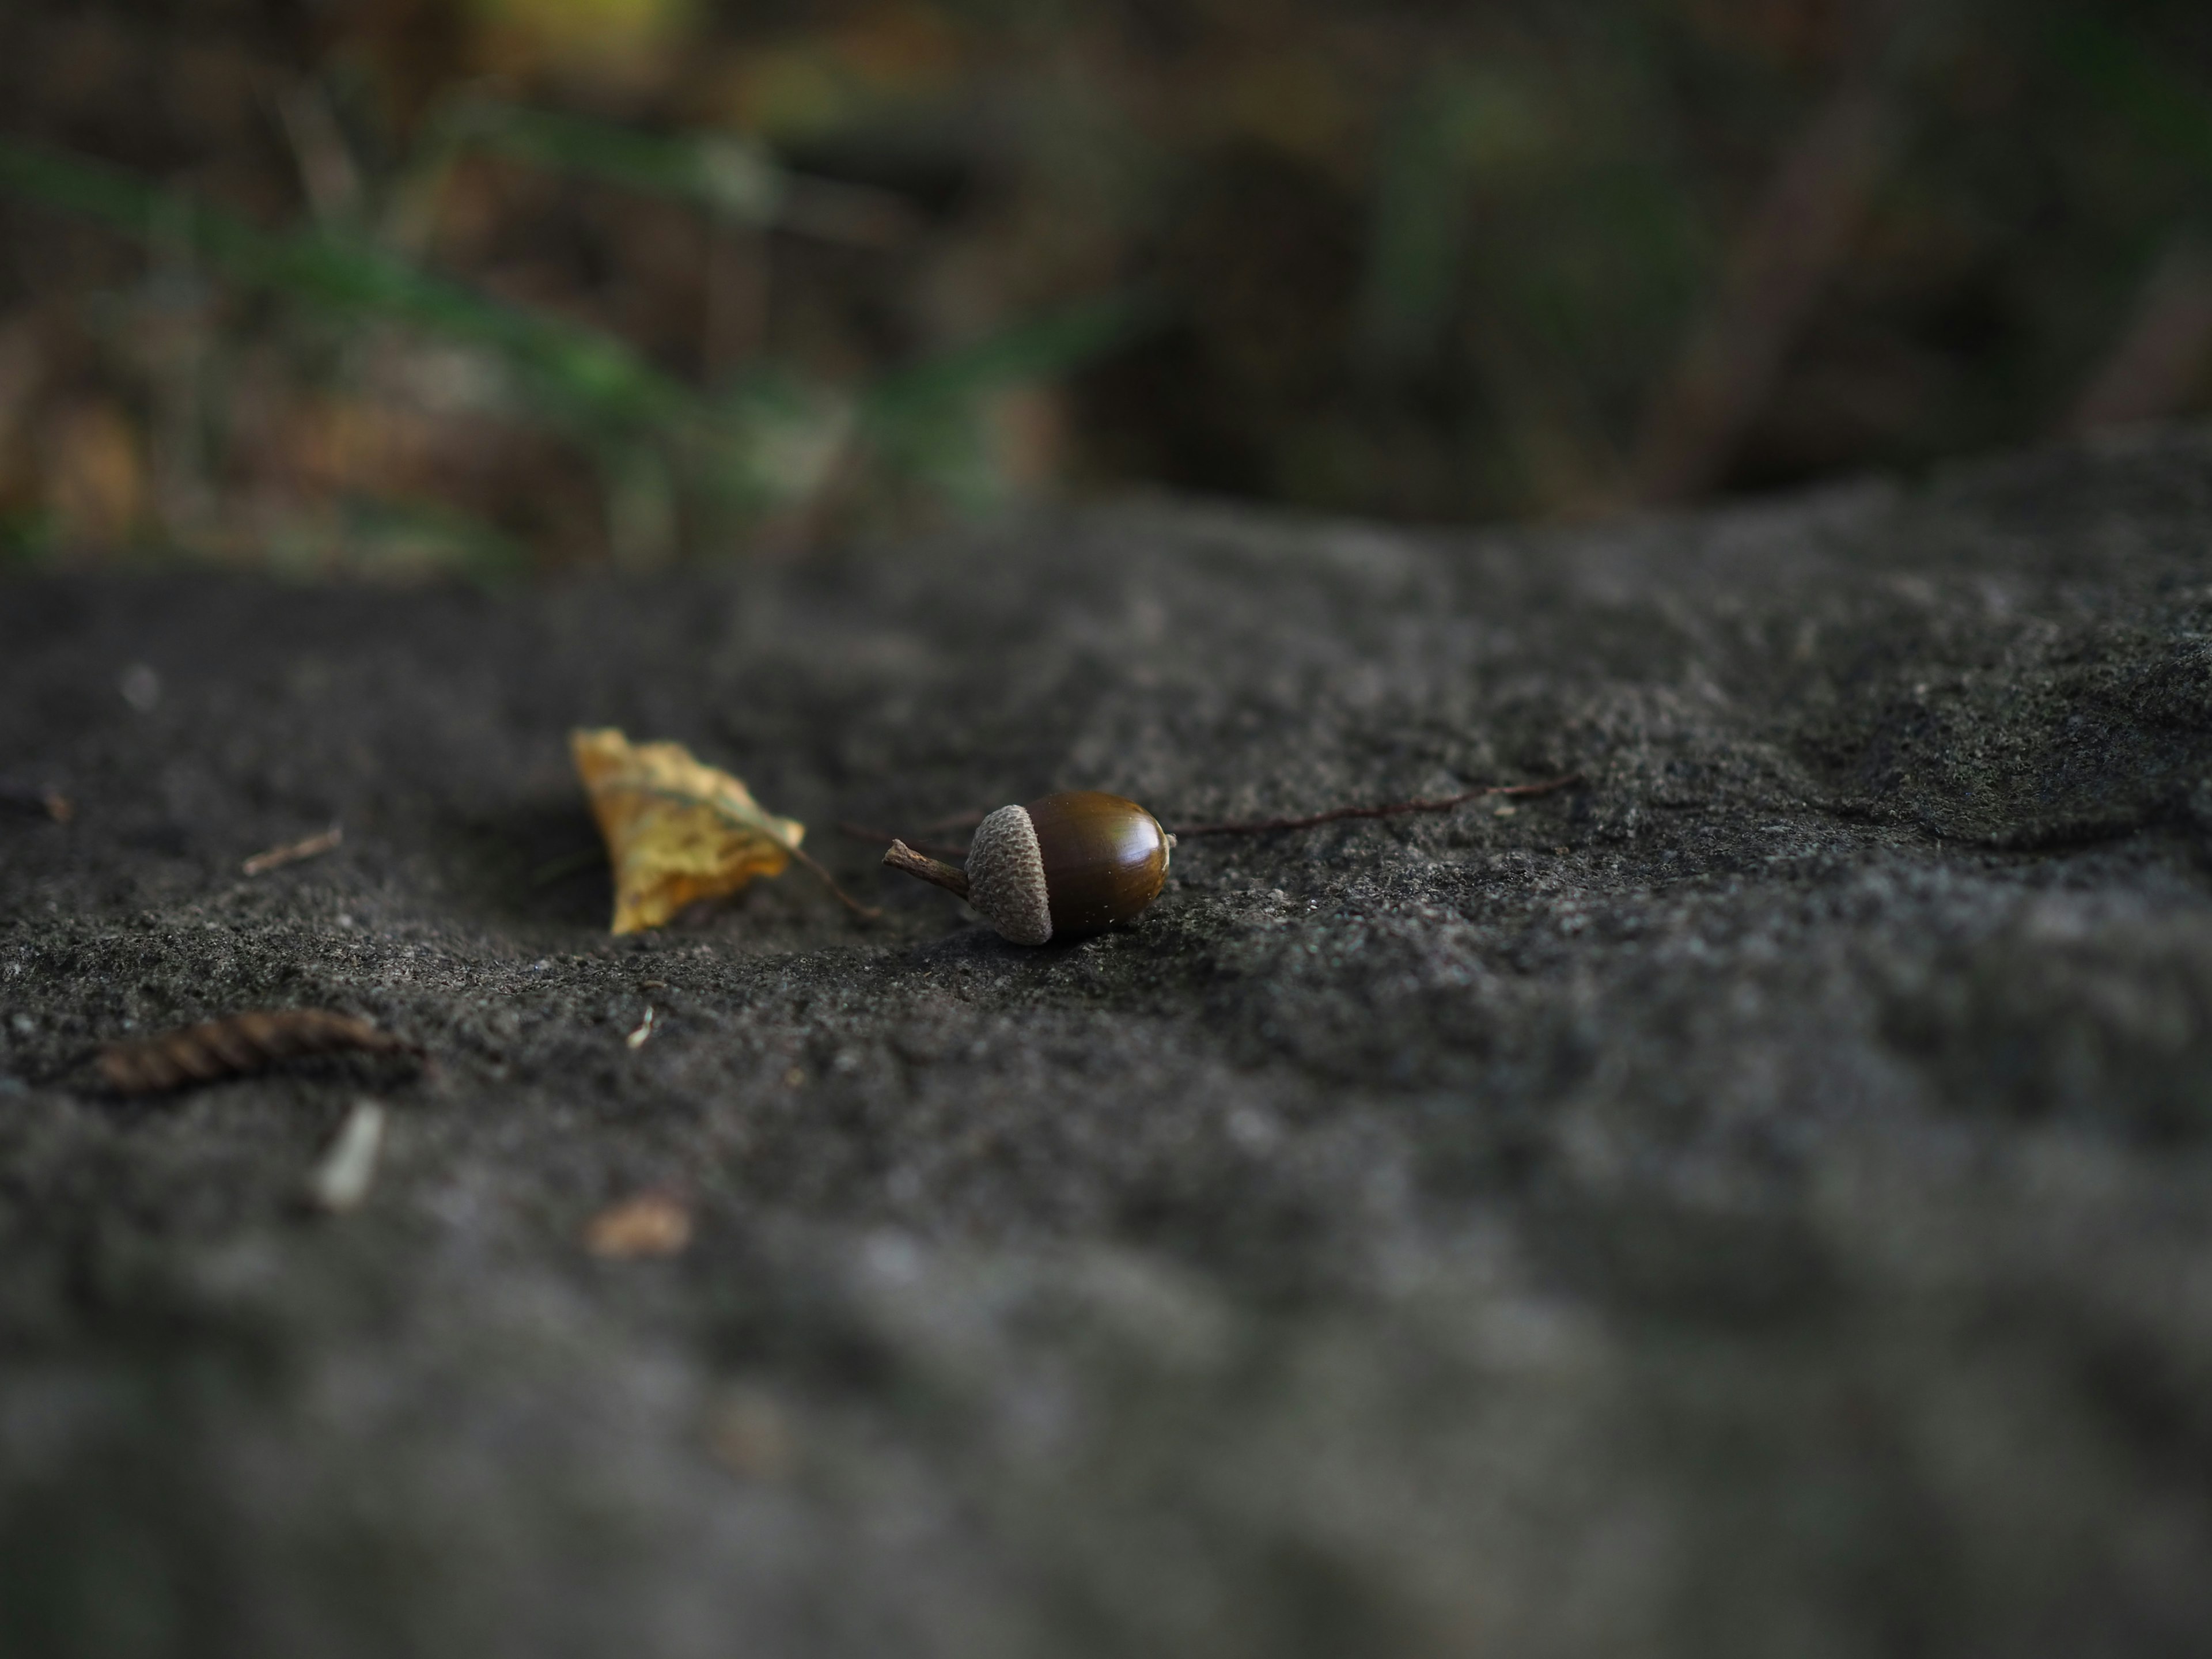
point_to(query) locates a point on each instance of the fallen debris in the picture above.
(651, 1224)
(342, 1180)
(238, 1044)
(678, 830)
(308, 847)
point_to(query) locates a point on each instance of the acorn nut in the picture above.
(1068, 865)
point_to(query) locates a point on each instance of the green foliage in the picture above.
(1466, 127)
(403, 537)
(1435, 262)
(670, 454)
(2168, 112)
(589, 376)
(726, 175)
(919, 420)
(25, 539)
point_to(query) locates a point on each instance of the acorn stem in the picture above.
(903, 857)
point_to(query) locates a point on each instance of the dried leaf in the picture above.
(675, 831)
(651, 1224)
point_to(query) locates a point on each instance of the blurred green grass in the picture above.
(732, 454)
(488, 288)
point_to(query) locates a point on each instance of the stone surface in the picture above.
(1757, 1201)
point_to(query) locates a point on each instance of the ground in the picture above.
(1752, 1201)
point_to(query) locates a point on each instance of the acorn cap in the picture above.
(1006, 877)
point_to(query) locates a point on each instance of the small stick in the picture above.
(867, 912)
(903, 857)
(292, 852)
(1395, 809)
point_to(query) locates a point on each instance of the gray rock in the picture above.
(1757, 1201)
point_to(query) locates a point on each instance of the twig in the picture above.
(293, 852)
(868, 912)
(1394, 808)
(903, 857)
(878, 837)
(910, 856)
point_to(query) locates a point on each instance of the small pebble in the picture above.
(140, 688)
(750, 1435)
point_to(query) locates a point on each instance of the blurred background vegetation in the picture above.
(490, 286)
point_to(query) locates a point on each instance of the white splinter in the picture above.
(342, 1180)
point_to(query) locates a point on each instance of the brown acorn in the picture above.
(1061, 868)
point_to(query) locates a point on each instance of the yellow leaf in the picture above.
(675, 831)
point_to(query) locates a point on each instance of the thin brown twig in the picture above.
(1394, 808)
(293, 852)
(903, 857)
(843, 897)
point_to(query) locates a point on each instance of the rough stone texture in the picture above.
(1758, 1203)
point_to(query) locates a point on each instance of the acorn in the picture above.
(1061, 868)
